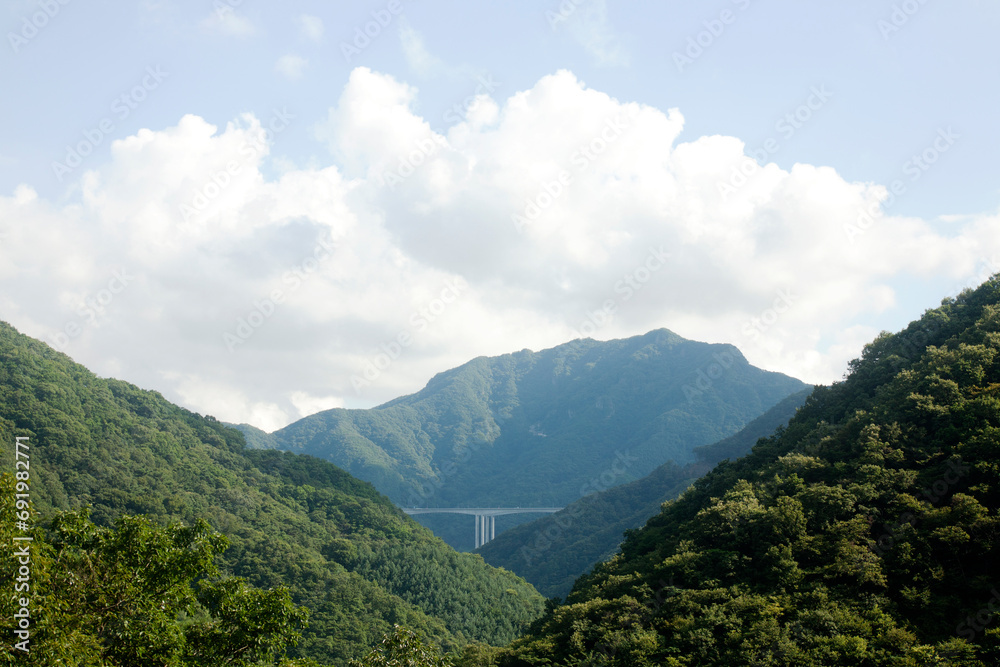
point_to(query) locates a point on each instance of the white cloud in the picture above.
(291, 66)
(216, 398)
(310, 405)
(590, 26)
(351, 283)
(226, 20)
(417, 56)
(311, 27)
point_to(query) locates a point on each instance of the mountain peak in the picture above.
(533, 428)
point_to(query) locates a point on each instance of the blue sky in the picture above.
(390, 224)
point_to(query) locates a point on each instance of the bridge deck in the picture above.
(481, 511)
(485, 521)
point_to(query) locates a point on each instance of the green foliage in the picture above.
(124, 596)
(402, 648)
(291, 521)
(865, 533)
(552, 552)
(544, 425)
(248, 624)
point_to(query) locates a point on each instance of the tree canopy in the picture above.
(138, 594)
(865, 533)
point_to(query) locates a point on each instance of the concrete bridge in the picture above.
(485, 516)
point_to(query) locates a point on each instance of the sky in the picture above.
(264, 210)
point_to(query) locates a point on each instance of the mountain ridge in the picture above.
(867, 532)
(292, 520)
(553, 551)
(531, 428)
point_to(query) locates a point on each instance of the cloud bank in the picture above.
(556, 213)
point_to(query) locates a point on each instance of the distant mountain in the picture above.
(345, 551)
(865, 533)
(553, 551)
(543, 428)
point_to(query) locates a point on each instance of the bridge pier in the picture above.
(486, 529)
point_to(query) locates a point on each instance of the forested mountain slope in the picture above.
(553, 551)
(345, 551)
(866, 533)
(532, 428)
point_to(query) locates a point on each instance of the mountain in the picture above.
(344, 550)
(865, 533)
(552, 552)
(543, 428)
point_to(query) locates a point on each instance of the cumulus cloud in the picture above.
(224, 19)
(291, 66)
(418, 57)
(557, 212)
(590, 26)
(311, 27)
(309, 405)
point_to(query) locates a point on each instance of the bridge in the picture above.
(485, 516)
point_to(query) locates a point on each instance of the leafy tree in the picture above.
(123, 596)
(402, 648)
(866, 533)
(553, 551)
(291, 521)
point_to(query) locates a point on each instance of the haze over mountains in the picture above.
(344, 551)
(866, 533)
(553, 551)
(533, 429)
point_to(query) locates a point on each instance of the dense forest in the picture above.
(865, 533)
(135, 594)
(534, 428)
(552, 552)
(342, 550)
